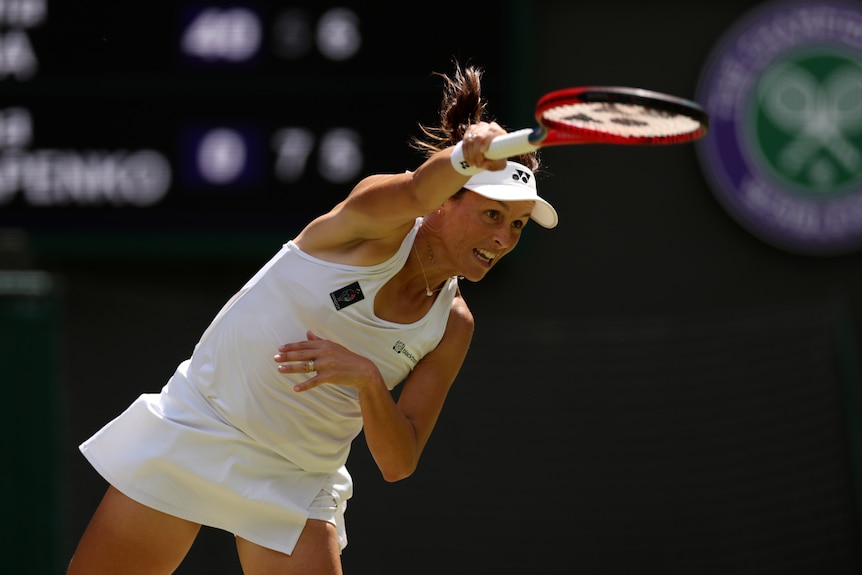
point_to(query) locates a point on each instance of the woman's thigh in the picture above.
(125, 537)
(316, 553)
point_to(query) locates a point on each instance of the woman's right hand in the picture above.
(477, 139)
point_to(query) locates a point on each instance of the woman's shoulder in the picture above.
(460, 313)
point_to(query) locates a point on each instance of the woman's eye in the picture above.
(493, 214)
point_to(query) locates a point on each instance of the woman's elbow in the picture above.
(397, 474)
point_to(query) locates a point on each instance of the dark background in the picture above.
(651, 389)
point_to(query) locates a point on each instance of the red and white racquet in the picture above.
(606, 115)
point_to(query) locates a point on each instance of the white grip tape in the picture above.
(460, 164)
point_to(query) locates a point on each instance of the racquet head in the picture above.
(617, 115)
(605, 115)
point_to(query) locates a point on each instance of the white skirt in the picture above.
(171, 452)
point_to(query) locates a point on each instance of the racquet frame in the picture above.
(553, 133)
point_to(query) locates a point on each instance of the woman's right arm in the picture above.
(382, 207)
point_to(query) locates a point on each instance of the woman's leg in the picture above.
(125, 537)
(316, 553)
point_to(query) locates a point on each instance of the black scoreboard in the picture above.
(122, 119)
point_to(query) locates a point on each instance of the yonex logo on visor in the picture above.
(522, 175)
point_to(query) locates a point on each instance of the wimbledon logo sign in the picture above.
(784, 151)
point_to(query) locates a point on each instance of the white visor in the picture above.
(515, 183)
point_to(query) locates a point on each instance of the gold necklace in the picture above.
(428, 291)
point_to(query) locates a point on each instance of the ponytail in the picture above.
(462, 106)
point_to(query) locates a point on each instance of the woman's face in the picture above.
(479, 231)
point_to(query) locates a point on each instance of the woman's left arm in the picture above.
(397, 434)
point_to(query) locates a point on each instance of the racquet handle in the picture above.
(515, 143)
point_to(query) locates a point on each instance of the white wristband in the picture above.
(460, 164)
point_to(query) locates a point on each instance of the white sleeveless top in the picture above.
(232, 365)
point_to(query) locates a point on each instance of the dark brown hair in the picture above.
(462, 106)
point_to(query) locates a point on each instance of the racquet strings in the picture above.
(621, 120)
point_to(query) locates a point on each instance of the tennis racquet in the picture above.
(605, 115)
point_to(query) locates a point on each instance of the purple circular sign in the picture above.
(784, 152)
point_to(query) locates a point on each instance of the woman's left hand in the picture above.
(329, 362)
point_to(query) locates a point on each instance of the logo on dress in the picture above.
(401, 348)
(784, 151)
(347, 296)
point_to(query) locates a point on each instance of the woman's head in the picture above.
(483, 222)
(471, 233)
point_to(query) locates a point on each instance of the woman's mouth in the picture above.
(485, 256)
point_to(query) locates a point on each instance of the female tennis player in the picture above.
(251, 434)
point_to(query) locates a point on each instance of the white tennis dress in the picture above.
(228, 443)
